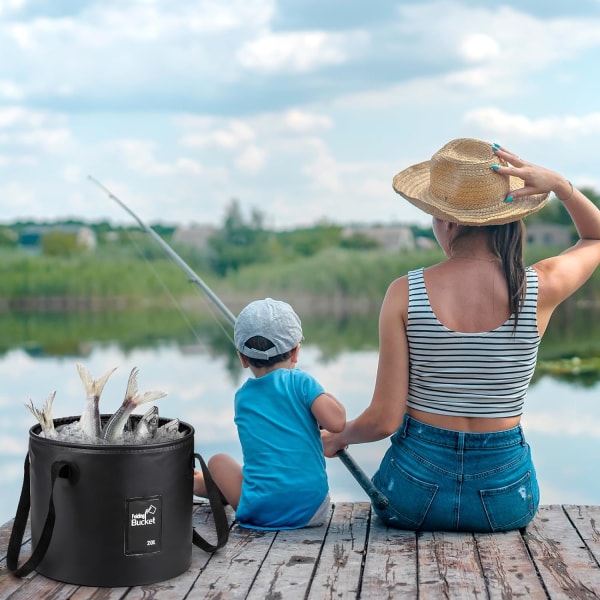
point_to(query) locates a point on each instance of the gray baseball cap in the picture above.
(274, 320)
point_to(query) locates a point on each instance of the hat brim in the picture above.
(413, 184)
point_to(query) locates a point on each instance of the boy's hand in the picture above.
(332, 443)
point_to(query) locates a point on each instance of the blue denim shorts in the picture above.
(442, 480)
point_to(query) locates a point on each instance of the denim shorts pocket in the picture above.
(512, 506)
(409, 497)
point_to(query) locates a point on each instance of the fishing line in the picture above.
(180, 310)
(164, 286)
(192, 275)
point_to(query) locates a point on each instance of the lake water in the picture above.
(562, 419)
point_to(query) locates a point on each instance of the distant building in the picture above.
(392, 237)
(30, 238)
(111, 236)
(548, 234)
(425, 243)
(194, 235)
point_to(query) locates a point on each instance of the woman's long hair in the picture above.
(506, 242)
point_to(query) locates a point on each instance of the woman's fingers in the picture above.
(537, 180)
(510, 157)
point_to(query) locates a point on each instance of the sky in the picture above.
(301, 109)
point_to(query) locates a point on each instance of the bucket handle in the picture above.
(60, 468)
(218, 509)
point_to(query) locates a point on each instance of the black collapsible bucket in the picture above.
(110, 515)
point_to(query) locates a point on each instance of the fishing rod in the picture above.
(378, 499)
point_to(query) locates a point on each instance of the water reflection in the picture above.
(573, 332)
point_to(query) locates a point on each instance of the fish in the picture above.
(113, 431)
(168, 431)
(44, 416)
(146, 426)
(170, 427)
(89, 422)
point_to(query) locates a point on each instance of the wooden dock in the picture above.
(355, 556)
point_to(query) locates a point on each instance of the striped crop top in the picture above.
(469, 374)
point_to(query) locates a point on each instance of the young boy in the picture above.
(282, 483)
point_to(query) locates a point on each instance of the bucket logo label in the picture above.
(143, 525)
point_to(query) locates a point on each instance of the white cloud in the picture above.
(15, 196)
(479, 47)
(251, 160)
(230, 137)
(496, 120)
(11, 91)
(72, 173)
(13, 159)
(19, 116)
(188, 165)
(9, 6)
(323, 170)
(46, 140)
(303, 121)
(140, 157)
(297, 51)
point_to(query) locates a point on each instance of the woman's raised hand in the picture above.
(537, 180)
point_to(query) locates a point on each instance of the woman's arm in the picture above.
(559, 276)
(384, 414)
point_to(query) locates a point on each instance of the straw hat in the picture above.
(459, 185)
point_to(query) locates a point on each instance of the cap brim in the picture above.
(413, 184)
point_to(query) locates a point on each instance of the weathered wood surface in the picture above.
(356, 556)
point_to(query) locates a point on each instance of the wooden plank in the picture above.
(232, 571)
(586, 519)
(507, 567)
(40, 588)
(566, 566)
(5, 531)
(34, 586)
(98, 593)
(339, 571)
(449, 566)
(287, 570)
(391, 563)
(356, 556)
(9, 584)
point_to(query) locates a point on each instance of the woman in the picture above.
(459, 340)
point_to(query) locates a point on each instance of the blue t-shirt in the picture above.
(284, 477)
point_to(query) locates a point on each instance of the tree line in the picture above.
(238, 242)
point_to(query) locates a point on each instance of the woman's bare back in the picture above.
(468, 295)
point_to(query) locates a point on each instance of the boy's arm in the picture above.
(329, 412)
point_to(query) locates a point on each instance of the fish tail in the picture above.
(44, 416)
(86, 378)
(47, 409)
(137, 398)
(99, 383)
(33, 410)
(93, 386)
(132, 385)
(140, 399)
